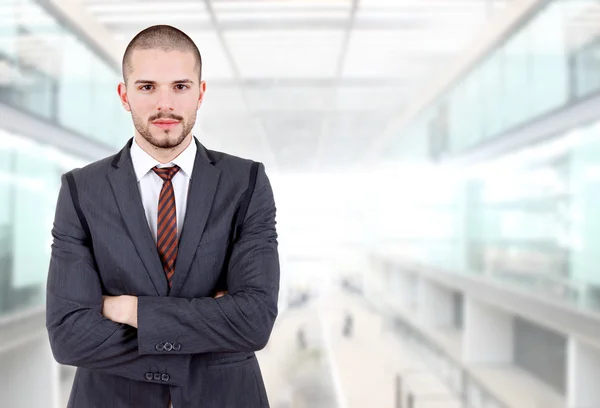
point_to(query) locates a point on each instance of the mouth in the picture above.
(165, 124)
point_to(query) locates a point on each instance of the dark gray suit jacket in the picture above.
(190, 347)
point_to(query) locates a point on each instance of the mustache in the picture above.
(162, 115)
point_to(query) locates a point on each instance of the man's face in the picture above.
(163, 94)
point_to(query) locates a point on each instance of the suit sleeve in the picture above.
(79, 334)
(243, 319)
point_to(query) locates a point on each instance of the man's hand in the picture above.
(220, 294)
(120, 309)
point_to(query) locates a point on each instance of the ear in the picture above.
(202, 91)
(122, 91)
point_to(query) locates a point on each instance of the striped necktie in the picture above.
(166, 235)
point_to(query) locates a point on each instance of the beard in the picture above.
(172, 140)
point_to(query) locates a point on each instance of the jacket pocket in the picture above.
(229, 362)
(231, 382)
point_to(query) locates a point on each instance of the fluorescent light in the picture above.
(155, 18)
(416, 4)
(284, 54)
(386, 15)
(285, 37)
(287, 5)
(284, 15)
(163, 7)
(408, 41)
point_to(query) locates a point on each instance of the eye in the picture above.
(145, 87)
(181, 87)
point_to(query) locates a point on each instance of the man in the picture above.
(140, 243)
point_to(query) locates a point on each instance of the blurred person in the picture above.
(150, 294)
(348, 325)
(301, 338)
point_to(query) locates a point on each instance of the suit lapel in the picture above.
(127, 195)
(203, 186)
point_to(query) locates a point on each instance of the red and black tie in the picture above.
(166, 236)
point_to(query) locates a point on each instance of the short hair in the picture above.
(164, 37)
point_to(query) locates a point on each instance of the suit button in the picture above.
(165, 377)
(176, 346)
(157, 376)
(149, 376)
(159, 347)
(168, 346)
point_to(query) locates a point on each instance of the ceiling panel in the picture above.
(288, 15)
(399, 54)
(285, 54)
(215, 64)
(346, 136)
(380, 98)
(289, 98)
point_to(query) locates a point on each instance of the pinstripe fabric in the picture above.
(202, 349)
(166, 236)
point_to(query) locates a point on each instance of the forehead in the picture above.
(157, 64)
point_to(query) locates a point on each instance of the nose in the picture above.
(164, 103)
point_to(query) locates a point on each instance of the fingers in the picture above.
(220, 293)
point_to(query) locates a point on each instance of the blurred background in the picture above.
(436, 169)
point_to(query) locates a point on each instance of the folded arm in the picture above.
(243, 319)
(79, 334)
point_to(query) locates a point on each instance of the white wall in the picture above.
(435, 304)
(583, 374)
(488, 334)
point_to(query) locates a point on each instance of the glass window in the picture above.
(472, 111)
(517, 78)
(549, 63)
(492, 99)
(46, 70)
(29, 182)
(464, 114)
(36, 188)
(103, 97)
(37, 53)
(6, 225)
(75, 96)
(533, 218)
(586, 66)
(582, 43)
(455, 118)
(584, 169)
(8, 30)
(521, 222)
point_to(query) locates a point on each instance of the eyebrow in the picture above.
(147, 81)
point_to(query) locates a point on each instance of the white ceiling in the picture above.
(307, 84)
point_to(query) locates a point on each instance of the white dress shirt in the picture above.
(150, 183)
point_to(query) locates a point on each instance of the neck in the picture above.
(163, 155)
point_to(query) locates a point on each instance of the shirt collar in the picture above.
(143, 162)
